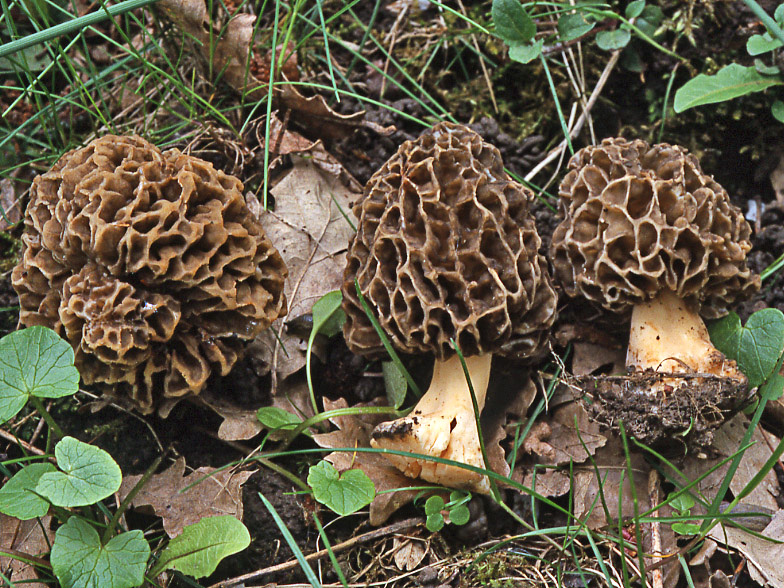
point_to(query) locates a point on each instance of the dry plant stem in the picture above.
(667, 336)
(442, 425)
(23, 444)
(556, 152)
(290, 565)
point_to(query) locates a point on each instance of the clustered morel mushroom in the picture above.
(150, 264)
(446, 250)
(646, 232)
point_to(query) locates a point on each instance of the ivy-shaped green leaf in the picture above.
(17, 498)
(201, 546)
(34, 362)
(756, 346)
(730, 82)
(80, 561)
(512, 22)
(344, 493)
(88, 475)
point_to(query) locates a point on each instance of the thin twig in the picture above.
(23, 444)
(481, 62)
(556, 152)
(354, 541)
(656, 543)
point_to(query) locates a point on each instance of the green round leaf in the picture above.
(682, 502)
(759, 44)
(459, 515)
(345, 493)
(526, 53)
(34, 362)
(16, 497)
(80, 561)
(777, 110)
(612, 40)
(634, 9)
(571, 26)
(686, 528)
(756, 346)
(512, 22)
(433, 505)
(88, 475)
(435, 522)
(201, 546)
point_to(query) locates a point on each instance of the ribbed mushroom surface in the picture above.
(639, 219)
(446, 249)
(149, 263)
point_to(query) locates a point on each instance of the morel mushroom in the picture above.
(646, 232)
(446, 250)
(150, 264)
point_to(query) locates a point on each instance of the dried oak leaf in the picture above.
(764, 555)
(230, 55)
(32, 538)
(11, 210)
(312, 237)
(726, 443)
(409, 552)
(211, 493)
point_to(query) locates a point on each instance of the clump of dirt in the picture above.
(690, 410)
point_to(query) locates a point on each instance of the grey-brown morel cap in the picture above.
(446, 248)
(641, 218)
(150, 264)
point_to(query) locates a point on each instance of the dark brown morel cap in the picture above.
(149, 263)
(446, 249)
(641, 218)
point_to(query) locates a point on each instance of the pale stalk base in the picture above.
(666, 336)
(442, 425)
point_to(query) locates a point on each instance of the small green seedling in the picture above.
(455, 511)
(682, 505)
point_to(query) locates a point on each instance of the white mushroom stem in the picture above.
(666, 336)
(442, 425)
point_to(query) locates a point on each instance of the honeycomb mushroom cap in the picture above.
(446, 249)
(149, 263)
(641, 218)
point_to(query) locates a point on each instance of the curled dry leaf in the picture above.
(212, 493)
(31, 538)
(231, 56)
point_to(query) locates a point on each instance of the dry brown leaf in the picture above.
(312, 234)
(727, 441)
(589, 357)
(409, 552)
(764, 557)
(557, 441)
(777, 180)
(27, 537)
(213, 493)
(506, 402)
(239, 423)
(230, 55)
